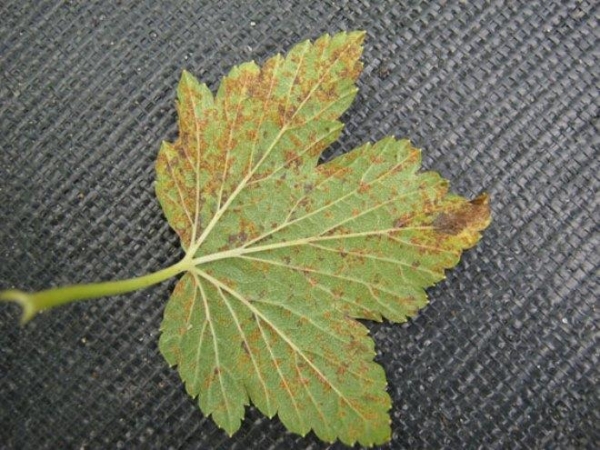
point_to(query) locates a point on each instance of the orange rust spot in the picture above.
(252, 135)
(324, 381)
(402, 221)
(180, 152)
(376, 159)
(337, 293)
(304, 203)
(469, 216)
(363, 187)
(333, 170)
(407, 301)
(355, 212)
(177, 352)
(292, 160)
(187, 308)
(330, 92)
(342, 368)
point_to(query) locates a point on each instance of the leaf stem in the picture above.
(32, 303)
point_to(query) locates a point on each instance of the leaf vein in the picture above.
(176, 182)
(250, 353)
(377, 258)
(215, 347)
(220, 211)
(309, 269)
(283, 336)
(287, 222)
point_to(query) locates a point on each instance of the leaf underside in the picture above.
(287, 254)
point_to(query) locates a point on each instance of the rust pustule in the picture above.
(364, 187)
(399, 223)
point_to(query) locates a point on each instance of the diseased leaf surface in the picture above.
(287, 254)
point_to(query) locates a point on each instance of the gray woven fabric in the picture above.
(501, 96)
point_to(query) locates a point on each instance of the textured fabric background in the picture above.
(501, 96)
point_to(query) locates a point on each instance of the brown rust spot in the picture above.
(469, 216)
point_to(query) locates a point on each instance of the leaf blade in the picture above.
(285, 255)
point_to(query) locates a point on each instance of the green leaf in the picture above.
(283, 255)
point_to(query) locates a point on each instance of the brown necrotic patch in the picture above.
(471, 216)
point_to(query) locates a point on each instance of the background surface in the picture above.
(501, 96)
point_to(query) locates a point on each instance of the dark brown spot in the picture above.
(245, 347)
(238, 238)
(400, 222)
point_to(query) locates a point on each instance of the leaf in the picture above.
(285, 255)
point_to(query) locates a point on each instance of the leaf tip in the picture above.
(482, 204)
(190, 86)
(186, 76)
(360, 34)
(469, 218)
(22, 299)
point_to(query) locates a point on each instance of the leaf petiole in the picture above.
(34, 302)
